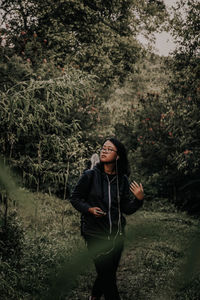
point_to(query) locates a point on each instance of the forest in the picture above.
(73, 72)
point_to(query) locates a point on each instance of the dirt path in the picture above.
(155, 253)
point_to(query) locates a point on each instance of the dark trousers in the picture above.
(106, 256)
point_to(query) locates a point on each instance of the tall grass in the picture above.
(160, 260)
(42, 124)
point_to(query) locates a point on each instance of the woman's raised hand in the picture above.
(137, 190)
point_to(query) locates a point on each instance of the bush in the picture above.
(11, 254)
(42, 126)
(11, 240)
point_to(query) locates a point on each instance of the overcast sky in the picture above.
(164, 43)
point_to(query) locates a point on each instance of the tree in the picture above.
(165, 130)
(185, 99)
(48, 43)
(98, 37)
(185, 66)
(40, 135)
(150, 144)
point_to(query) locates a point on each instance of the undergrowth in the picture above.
(157, 263)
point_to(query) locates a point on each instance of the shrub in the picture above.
(42, 125)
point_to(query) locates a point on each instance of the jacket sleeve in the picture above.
(129, 203)
(80, 193)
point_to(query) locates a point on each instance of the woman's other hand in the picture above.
(97, 211)
(137, 190)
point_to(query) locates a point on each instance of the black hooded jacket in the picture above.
(94, 188)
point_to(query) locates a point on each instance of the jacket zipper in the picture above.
(109, 205)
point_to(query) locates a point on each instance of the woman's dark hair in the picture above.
(122, 163)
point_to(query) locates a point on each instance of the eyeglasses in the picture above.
(109, 150)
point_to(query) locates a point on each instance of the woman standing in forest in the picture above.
(102, 195)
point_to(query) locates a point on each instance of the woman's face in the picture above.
(108, 152)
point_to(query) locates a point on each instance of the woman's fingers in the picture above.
(141, 187)
(97, 211)
(137, 190)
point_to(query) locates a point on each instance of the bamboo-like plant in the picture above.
(42, 129)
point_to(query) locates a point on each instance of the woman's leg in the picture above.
(106, 267)
(93, 244)
(106, 260)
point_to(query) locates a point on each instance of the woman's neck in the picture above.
(109, 168)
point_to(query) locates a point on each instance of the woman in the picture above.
(102, 196)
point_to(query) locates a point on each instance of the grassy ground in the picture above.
(154, 264)
(160, 260)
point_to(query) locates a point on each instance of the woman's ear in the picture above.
(117, 157)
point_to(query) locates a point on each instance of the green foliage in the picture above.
(164, 150)
(11, 250)
(13, 69)
(42, 125)
(161, 244)
(96, 37)
(150, 144)
(151, 78)
(163, 130)
(186, 97)
(28, 260)
(9, 279)
(45, 48)
(51, 120)
(11, 240)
